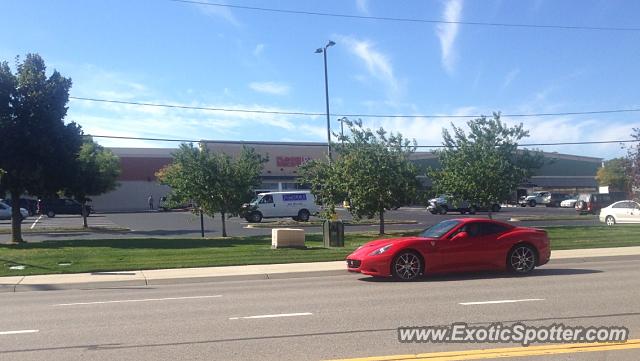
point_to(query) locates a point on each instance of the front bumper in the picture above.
(370, 266)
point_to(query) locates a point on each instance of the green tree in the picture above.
(372, 171)
(215, 182)
(633, 162)
(615, 174)
(38, 150)
(97, 171)
(484, 166)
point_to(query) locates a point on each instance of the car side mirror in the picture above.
(460, 235)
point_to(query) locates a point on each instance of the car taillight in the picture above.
(589, 206)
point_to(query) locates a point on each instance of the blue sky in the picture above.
(161, 51)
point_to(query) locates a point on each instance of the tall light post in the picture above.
(326, 93)
(342, 120)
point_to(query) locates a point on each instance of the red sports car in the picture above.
(454, 245)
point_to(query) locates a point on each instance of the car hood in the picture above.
(369, 247)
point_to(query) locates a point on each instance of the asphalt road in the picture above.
(185, 224)
(327, 317)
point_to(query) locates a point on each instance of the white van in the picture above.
(298, 205)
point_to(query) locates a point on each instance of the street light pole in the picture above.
(326, 93)
(342, 128)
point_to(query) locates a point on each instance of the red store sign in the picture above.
(291, 161)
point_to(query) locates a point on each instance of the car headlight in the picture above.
(380, 250)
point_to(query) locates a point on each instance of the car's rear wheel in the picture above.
(610, 221)
(51, 214)
(303, 215)
(521, 259)
(444, 209)
(407, 266)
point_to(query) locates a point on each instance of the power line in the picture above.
(408, 20)
(258, 111)
(301, 144)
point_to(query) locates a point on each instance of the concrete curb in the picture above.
(148, 278)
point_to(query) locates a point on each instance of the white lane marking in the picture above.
(139, 300)
(36, 221)
(501, 301)
(18, 332)
(273, 316)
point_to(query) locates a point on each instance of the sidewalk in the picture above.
(252, 272)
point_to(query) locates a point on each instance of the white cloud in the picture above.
(363, 6)
(447, 33)
(269, 87)
(510, 77)
(219, 12)
(377, 63)
(259, 49)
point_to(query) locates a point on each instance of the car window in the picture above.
(491, 228)
(634, 205)
(267, 199)
(621, 205)
(440, 229)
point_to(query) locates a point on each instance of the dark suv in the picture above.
(591, 203)
(51, 207)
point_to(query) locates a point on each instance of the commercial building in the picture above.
(562, 172)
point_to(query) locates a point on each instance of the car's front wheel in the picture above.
(51, 214)
(407, 266)
(521, 259)
(255, 217)
(610, 221)
(532, 203)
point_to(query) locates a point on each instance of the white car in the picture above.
(568, 203)
(621, 212)
(5, 211)
(299, 205)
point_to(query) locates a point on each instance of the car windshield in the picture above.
(255, 200)
(440, 229)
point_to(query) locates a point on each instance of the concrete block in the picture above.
(287, 237)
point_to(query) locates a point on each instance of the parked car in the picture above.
(54, 206)
(31, 205)
(535, 199)
(454, 245)
(568, 203)
(556, 199)
(626, 211)
(299, 205)
(592, 203)
(444, 204)
(165, 206)
(5, 211)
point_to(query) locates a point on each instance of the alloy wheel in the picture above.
(407, 266)
(522, 259)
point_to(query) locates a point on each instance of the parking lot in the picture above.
(185, 224)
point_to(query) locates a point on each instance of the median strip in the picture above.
(483, 354)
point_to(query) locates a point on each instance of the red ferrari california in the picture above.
(454, 245)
